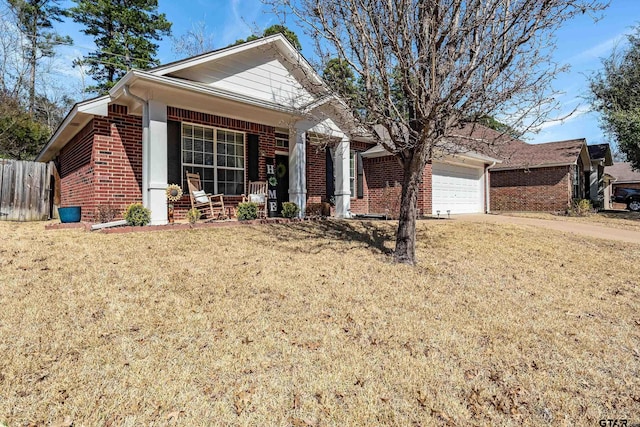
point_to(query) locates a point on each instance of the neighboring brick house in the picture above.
(540, 177)
(619, 175)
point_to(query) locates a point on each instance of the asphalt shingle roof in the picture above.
(622, 172)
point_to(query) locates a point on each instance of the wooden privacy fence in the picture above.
(26, 190)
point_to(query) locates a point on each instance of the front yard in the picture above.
(625, 220)
(309, 324)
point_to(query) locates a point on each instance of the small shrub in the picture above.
(106, 213)
(580, 207)
(247, 211)
(290, 210)
(193, 215)
(137, 214)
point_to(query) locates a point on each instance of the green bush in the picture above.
(137, 214)
(247, 211)
(580, 207)
(193, 215)
(290, 210)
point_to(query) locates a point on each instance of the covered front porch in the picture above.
(227, 151)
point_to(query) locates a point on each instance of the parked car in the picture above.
(628, 196)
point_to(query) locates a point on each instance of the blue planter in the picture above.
(70, 214)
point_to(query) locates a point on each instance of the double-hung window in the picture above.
(217, 155)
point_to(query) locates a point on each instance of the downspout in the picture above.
(487, 186)
(146, 144)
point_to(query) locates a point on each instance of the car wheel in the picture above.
(634, 205)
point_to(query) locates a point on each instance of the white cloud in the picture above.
(240, 19)
(599, 50)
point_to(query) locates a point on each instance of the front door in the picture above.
(282, 175)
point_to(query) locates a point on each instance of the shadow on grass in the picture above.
(324, 234)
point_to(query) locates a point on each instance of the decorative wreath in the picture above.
(174, 193)
(273, 181)
(281, 170)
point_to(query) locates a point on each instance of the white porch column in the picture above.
(341, 171)
(155, 163)
(298, 168)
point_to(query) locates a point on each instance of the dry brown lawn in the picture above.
(617, 219)
(309, 324)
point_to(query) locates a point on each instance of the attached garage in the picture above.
(457, 188)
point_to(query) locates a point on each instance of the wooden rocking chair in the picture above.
(211, 206)
(257, 193)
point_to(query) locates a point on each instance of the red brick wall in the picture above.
(102, 164)
(385, 177)
(316, 170)
(117, 159)
(538, 189)
(76, 170)
(615, 185)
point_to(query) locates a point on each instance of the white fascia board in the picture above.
(538, 166)
(136, 75)
(96, 106)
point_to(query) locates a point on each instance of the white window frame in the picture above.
(214, 166)
(283, 146)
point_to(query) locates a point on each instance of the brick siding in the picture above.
(76, 171)
(316, 167)
(385, 177)
(539, 189)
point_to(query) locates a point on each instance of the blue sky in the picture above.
(581, 44)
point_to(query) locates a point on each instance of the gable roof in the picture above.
(601, 152)
(623, 173)
(267, 80)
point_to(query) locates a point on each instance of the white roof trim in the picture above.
(96, 106)
(380, 151)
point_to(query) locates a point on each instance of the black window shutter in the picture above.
(253, 149)
(329, 183)
(360, 177)
(174, 158)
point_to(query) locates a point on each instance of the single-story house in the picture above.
(230, 115)
(549, 176)
(620, 175)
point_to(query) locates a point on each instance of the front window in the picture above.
(282, 140)
(352, 173)
(217, 155)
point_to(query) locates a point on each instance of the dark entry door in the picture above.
(282, 175)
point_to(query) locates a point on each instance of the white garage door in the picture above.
(456, 188)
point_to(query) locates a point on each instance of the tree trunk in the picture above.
(406, 236)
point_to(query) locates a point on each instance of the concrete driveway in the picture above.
(584, 229)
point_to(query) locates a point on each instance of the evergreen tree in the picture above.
(274, 29)
(21, 137)
(124, 31)
(35, 20)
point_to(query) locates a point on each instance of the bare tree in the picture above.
(428, 66)
(194, 42)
